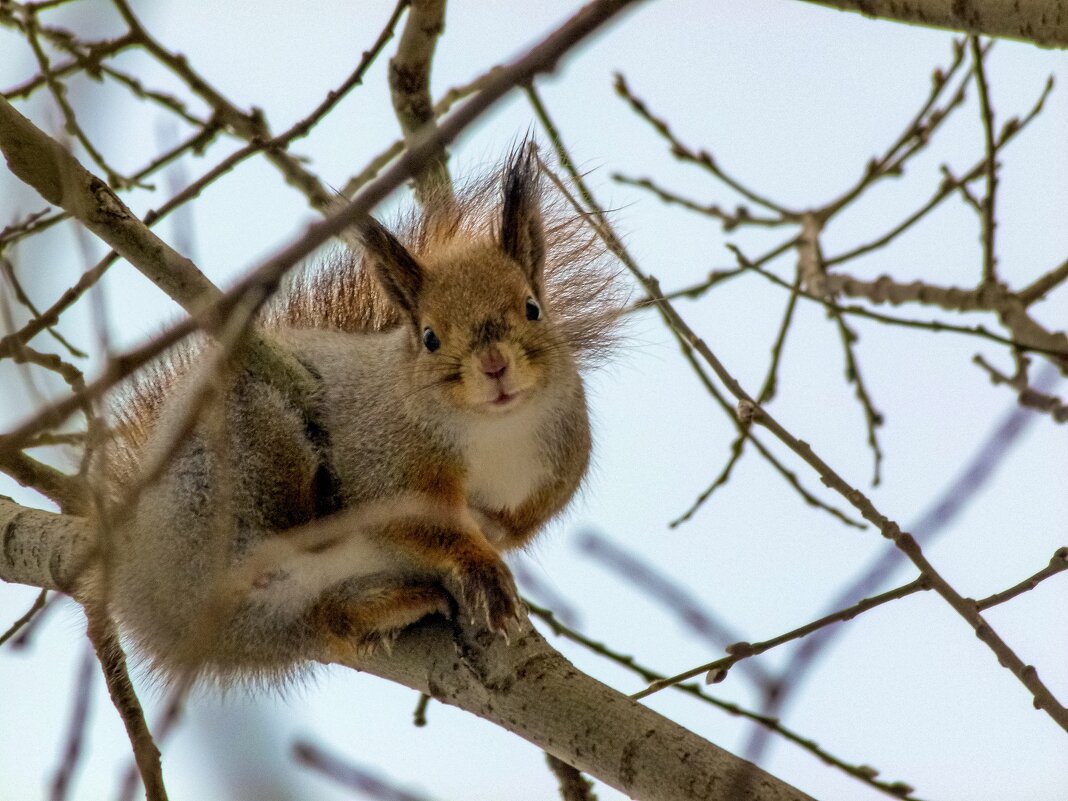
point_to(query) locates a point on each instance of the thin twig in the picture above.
(948, 186)
(701, 158)
(1027, 396)
(692, 614)
(988, 216)
(14, 628)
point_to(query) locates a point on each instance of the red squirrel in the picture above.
(449, 426)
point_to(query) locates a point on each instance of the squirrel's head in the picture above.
(482, 332)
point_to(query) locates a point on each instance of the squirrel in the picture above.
(449, 426)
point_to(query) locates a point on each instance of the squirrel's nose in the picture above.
(493, 363)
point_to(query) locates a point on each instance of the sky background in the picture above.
(792, 98)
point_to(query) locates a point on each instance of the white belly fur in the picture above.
(504, 461)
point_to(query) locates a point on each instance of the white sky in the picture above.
(792, 98)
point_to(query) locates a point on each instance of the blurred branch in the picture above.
(45, 165)
(67, 492)
(950, 503)
(348, 775)
(24, 299)
(58, 92)
(74, 746)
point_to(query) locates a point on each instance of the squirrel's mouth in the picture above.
(504, 399)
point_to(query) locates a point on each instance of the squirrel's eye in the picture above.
(533, 309)
(430, 339)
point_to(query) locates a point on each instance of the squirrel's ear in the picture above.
(397, 271)
(522, 232)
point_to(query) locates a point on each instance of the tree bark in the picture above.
(1041, 22)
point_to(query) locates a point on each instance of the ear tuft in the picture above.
(397, 270)
(522, 235)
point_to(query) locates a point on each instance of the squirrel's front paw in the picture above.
(488, 590)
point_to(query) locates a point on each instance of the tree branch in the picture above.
(1041, 22)
(409, 89)
(525, 687)
(531, 690)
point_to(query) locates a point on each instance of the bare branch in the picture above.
(1057, 564)
(701, 158)
(65, 491)
(42, 549)
(409, 88)
(531, 690)
(1027, 395)
(1027, 675)
(1044, 285)
(15, 627)
(45, 165)
(988, 214)
(598, 220)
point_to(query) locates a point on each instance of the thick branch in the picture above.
(531, 690)
(42, 549)
(1042, 22)
(525, 686)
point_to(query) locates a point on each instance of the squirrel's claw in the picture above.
(488, 591)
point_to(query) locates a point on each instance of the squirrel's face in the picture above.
(483, 340)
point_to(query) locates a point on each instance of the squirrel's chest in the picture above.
(505, 463)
